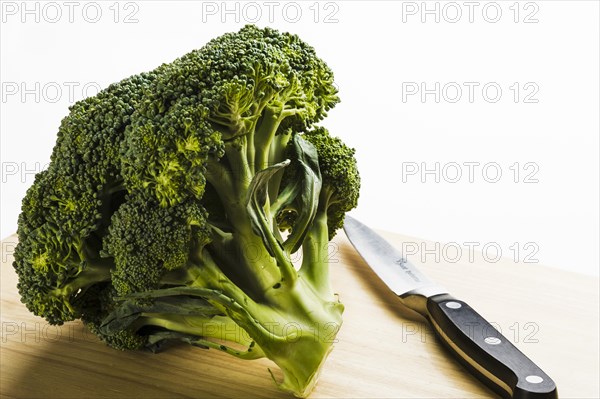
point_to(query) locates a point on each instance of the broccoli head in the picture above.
(176, 198)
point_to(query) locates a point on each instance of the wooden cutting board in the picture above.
(551, 315)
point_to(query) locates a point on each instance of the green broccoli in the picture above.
(175, 200)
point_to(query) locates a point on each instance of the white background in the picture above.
(381, 52)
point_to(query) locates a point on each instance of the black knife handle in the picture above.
(485, 352)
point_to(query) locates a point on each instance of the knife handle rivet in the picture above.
(492, 341)
(534, 379)
(453, 305)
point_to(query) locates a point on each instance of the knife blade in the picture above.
(488, 355)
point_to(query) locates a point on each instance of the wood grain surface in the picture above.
(382, 351)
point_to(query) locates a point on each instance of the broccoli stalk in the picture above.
(245, 271)
(176, 200)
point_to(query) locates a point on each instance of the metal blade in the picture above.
(397, 272)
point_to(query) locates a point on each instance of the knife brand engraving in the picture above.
(402, 263)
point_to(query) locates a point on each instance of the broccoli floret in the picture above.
(175, 200)
(341, 181)
(68, 208)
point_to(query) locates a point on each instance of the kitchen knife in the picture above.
(478, 345)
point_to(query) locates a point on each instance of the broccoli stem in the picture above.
(206, 273)
(294, 326)
(286, 268)
(243, 259)
(277, 154)
(220, 178)
(236, 153)
(253, 352)
(94, 273)
(315, 255)
(315, 248)
(299, 341)
(264, 135)
(218, 328)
